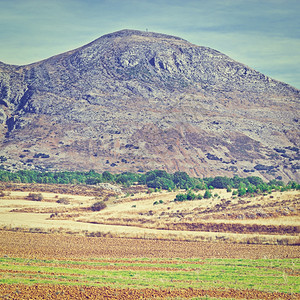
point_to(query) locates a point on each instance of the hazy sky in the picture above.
(263, 34)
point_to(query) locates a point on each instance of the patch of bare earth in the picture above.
(41, 291)
(66, 246)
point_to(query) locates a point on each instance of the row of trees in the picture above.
(153, 179)
(157, 179)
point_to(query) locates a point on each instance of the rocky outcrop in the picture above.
(135, 101)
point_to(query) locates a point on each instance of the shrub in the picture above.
(242, 191)
(63, 200)
(150, 191)
(190, 196)
(98, 206)
(180, 197)
(207, 194)
(35, 196)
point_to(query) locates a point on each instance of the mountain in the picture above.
(136, 101)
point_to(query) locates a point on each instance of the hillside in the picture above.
(137, 101)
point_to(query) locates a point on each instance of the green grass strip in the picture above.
(281, 275)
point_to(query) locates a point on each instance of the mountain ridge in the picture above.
(133, 100)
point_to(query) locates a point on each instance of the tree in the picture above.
(92, 180)
(251, 189)
(183, 180)
(255, 180)
(241, 191)
(161, 183)
(108, 177)
(220, 182)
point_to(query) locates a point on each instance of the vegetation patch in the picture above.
(275, 275)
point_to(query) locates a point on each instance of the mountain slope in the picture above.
(135, 100)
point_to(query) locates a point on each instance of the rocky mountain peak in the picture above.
(137, 33)
(134, 100)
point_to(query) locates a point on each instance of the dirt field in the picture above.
(20, 291)
(58, 247)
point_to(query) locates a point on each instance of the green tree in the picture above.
(108, 177)
(220, 182)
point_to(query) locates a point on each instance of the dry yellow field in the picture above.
(266, 219)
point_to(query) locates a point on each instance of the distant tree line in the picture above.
(154, 180)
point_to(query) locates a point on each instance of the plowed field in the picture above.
(58, 246)
(56, 266)
(20, 291)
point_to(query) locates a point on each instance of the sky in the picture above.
(263, 34)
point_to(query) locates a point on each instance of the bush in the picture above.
(180, 197)
(98, 206)
(150, 191)
(242, 191)
(158, 202)
(190, 196)
(207, 194)
(63, 200)
(35, 196)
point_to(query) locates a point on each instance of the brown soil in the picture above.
(236, 228)
(40, 291)
(58, 246)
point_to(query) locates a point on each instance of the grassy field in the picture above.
(279, 275)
